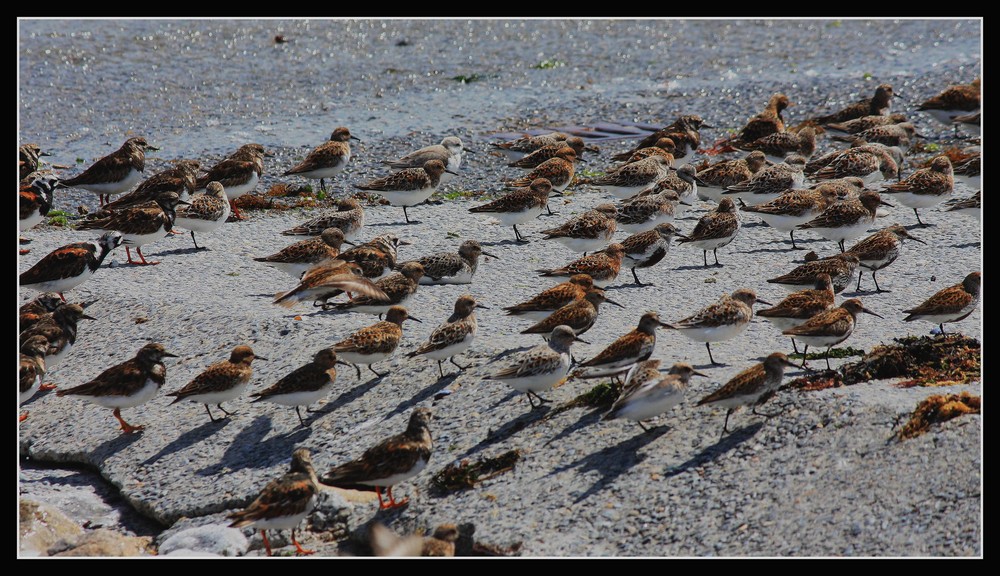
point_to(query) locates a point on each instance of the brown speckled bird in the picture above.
(327, 159)
(349, 217)
(284, 502)
(374, 343)
(126, 385)
(548, 301)
(399, 288)
(114, 173)
(602, 267)
(878, 104)
(829, 328)
(390, 462)
(454, 336)
(800, 306)
(881, 249)
(304, 385)
(327, 281)
(951, 304)
(579, 315)
(722, 320)
(220, 382)
(303, 255)
(751, 387)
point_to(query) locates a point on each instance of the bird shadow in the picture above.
(782, 250)
(509, 429)
(507, 353)
(395, 224)
(346, 397)
(699, 267)
(188, 438)
(504, 243)
(111, 447)
(919, 226)
(585, 419)
(710, 365)
(175, 251)
(424, 394)
(612, 462)
(709, 453)
(967, 245)
(632, 286)
(248, 449)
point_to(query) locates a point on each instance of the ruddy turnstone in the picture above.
(800, 306)
(683, 181)
(540, 368)
(725, 319)
(888, 134)
(449, 151)
(548, 301)
(126, 385)
(878, 104)
(238, 174)
(793, 208)
(327, 280)
(587, 232)
(968, 171)
(647, 393)
(971, 123)
(386, 543)
(29, 158)
(535, 159)
(349, 217)
(643, 213)
(719, 176)
(715, 229)
(376, 257)
(880, 249)
(926, 187)
(770, 182)
(684, 133)
(768, 122)
(633, 178)
(864, 123)
(602, 267)
(558, 170)
(951, 304)
(32, 369)
(69, 266)
(846, 219)
(972, 206)
(953, 101)
(374, 343)
(392, 461)
(840, 267)
(304, 385)
(220, 382)
(664, 147)
(625, 352)
(284, 502)
(34, 201)
(205, 213)
(776, 147)
(871, 163)
(441, 542)
(645, 249)
(399, 288)
(452, 267)
(829, 328)
(140, 225)
(516, 149)
(520, 206)
(751, 387)
(408, 187)
(454, 336)
(115, 173)
(299, 257)
(327, 159)
(182, 179)
(60, 331)
(36, 309)
(579, 315)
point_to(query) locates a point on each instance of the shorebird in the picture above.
(296, 259)
(69, 266)
(548, 301)
(602, 267)
(326, 160)
(454, 336)
(829, 328)
(140, 225)
(800, 306)
(540, 368)
(847, 219)
(647, 248)
(114, 173)
(205, 213)
(304, 385)
(625, 352)
(877, 104)
(722, 320)
(752, 386)
(715, 230)
(374, 343)
(520, 206)
(951, 304)
(880, 249)
(926, 187)
(220, 382)
(408, 187)
(840, 268)
(647, 393)
(449, 151)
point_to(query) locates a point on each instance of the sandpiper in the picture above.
(722, 320)
(454, 336)
(602, 266)
(879, 250)
(926, 187)
(304, 385)
(327, 280)
(664, 147)
(536, 158)
(877, 104)
(715, 230)
(953, 101)
(647, 248)
(846, 219)
(719, 176)
(625, 352)
(683, 181)
(408, 187)
(752, 386)
(452, 267)
(643, 213)
(558, 170)
(800, 306)
(871, 163)
(951, 304)
(181, 178)
(238, 174)
(114, 173)
(633, 178)
(829, 328)
(140, 225)
(399, 288)
(769, 182)
(969, 171)
(768, 122)
(864, 123)
(516, 149)
(299, 257)
(972, 206)
(779, 145)
(548, 301)
(326, 160)
(888, 134)
(520, 206)
(349, 217)
(376, 257)
(793, 208)
(540, 368)
(220, 382)
(449, 151)
(579, 315)
(647, 393)
(587, 232)
(374, 343)
(840, 267)
(205, 213)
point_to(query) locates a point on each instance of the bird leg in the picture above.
(393, 503)
(299, 549)
(792, 236)
(795, 346)
(376, 372)
(46, 386)
(126, 427)
(918, 218)
(322, 185)
(841, 244)
(224, 411)
(860, 274)
(710, 359)
(641, 425)
(358, 368)
(725, 424)
(138, 250)
(877, 289)
(804, 350)
(704, 256)
(301, 421)
(235, 212)
(828, 357)
(440, 369)
(517, 235)
(267, 544)
(22, 417)
(715, 252)
(637, 282)
(209, 410)
(196, 247)
(540, 399)
(452, 360)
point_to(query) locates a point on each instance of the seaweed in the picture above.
(465, 475)
(936, 409)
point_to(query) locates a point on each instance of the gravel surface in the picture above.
(822, 479)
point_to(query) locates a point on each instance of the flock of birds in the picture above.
(781, 180)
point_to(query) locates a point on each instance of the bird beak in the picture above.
(706, 125)
(450, 172)
(554, 192)
(665, 325)
(349, 243)
(467, 151)
(884, 203)
(405, 243)
(44, 154)
(686, 203)
(699, 181)
(268, 154)
(612, 302)
(184, 202)
(741, 202)
(696, 373)
(86, 305)
(85, 317)
(764, 302)
(414, 318)
(578, 339)
(483, 307)
(151, 147)
(353, 137)
(485, 253)
(867, 311)
(341, 362)
(169, 355)
(256, 357)
(581, 160)
(915, 239)
(894, 95)
(682, 237)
